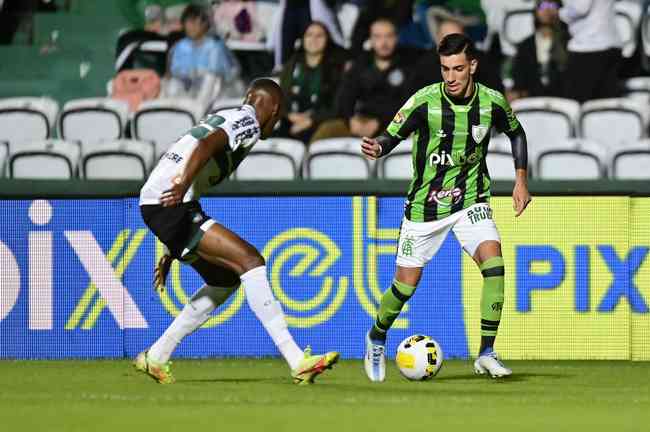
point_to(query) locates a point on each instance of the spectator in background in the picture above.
(295, 17)
(199, 59)
(145, 48)
(594, 49)
(399, 11)
(428, 68)
(373, 89)
(238, 20)
(541, 59)
(309, 80)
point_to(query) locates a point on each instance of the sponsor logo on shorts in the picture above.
(446, 197)
(479, 213)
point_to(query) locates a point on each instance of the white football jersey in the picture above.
(243, 130)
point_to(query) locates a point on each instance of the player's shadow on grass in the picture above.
(227, 380)
(519, 377)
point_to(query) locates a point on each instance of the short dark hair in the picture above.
(269, 86)
(457, 43)
(193, 11)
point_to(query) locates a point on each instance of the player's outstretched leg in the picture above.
(155, 361)
(488, 361)
(391, 305)
(222, 246)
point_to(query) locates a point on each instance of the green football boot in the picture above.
(313, 365)
(161, 372)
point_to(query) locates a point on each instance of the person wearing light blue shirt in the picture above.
(199, 55)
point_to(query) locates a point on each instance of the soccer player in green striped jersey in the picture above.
(450, 123)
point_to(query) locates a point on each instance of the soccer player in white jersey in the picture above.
(207, 154)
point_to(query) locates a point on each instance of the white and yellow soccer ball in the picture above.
(419, 358)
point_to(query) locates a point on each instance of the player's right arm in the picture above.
(407, 120)
(212, 144)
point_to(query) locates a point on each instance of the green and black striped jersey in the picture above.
(450, 144)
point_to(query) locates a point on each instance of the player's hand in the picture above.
(370, 148)
(174, 196)
(161, 271)
(520, 198)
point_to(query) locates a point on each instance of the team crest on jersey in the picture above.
(399, 118)
(479, 132)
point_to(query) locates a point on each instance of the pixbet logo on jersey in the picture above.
(455, 159)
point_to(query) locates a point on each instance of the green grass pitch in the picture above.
(257, 395)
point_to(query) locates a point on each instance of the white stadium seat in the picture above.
(628, 19)
(93, 119)
(225, 103)
(632, 162)
(337, 158)
(272, 159)
(4, 152)
(638, 88)
(123, 159)
(546, 120)
(572, 160)
(163, 121)
(49, 159)
(398, 164)
(612, 122)
(500, 165)
(518, 25)
(27, 119)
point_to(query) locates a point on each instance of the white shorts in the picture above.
(420, 241)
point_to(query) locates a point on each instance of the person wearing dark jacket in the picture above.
(428, 67)
(374, 88)
(309, 80)
(541, 59)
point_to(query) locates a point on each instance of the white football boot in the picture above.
(490, 363)
(375, 360)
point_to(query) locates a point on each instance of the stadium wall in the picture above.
(77, 270)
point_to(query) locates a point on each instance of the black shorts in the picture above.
(180, 228)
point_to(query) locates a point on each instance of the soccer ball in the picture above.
(419, 358)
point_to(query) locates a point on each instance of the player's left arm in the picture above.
(207, 147)
(506, 122)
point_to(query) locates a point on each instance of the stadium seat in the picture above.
(27, 119)
(49, 159)
(347, 15)
(632, 162)
(500, 165)
(4, 152)
(163, 121)
(628, 19)
(398, 164)
(546, 121)
(93, 120)
(226, 103)
(337, 158)
(272, 159)
(612, 122)
(122, 159)
(638, 88)
(572, 160)
(518, 24)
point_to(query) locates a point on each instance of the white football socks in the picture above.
(193, 315)
(268, 310)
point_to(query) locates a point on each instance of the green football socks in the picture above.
(491, 301)
(391, 305)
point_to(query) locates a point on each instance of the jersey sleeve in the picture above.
(408, 119)
(240, 127)
(505, 120)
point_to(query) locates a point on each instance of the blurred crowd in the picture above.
(347, 66)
